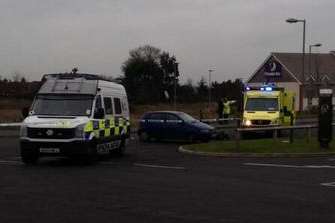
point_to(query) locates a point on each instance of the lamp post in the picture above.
(293, 20)
(209, 86)
(310, 58)
(176, 74)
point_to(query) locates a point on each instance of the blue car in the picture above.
(173, 125)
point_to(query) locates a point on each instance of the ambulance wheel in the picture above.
(29, 156)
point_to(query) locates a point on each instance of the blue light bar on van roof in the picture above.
(263, 88)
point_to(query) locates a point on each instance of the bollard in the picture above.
(308, 134)
(275, 134)
(238, 135)
(291, 130)
(237, 140)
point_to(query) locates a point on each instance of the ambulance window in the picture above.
(117, 106)
(108, 105)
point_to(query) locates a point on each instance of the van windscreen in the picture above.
(63, 105)
(262, 104)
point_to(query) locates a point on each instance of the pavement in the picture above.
(155, 183)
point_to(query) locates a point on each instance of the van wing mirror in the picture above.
(99, 113)
(25, 112)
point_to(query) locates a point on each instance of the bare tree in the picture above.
(16, 76)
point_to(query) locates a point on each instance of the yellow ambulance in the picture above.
(267, 105)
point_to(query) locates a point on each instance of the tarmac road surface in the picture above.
(155, 183)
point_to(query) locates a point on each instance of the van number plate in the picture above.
(49, 150)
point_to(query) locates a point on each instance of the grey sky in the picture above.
(232, 36)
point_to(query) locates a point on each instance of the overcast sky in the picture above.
(231, 36)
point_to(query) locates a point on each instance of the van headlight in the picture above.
(79, 131)
(247, 122)
(23, 131)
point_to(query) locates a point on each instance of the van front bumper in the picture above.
(75, 147)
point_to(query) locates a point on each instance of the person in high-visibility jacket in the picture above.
(227, 109)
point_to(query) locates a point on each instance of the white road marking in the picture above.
(10, 162)
(107, 163)
(159, 166)
(291, 166)
(331, 184)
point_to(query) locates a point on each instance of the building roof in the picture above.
(320, 65)
(316, 63)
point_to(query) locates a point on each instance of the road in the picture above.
(155, 183)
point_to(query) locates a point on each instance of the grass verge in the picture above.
(261, 146)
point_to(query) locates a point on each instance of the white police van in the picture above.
(75, 115)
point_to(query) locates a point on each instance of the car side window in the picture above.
(156, 117)
(172, 118)
(108, 105)
(117, 106)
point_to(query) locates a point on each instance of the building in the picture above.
(285, 70)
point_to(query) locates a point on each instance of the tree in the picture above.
(16, 76)
(202, 89)
(148, 72)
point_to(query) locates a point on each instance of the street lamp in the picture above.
(293, 20)
(310, 57)
(209, 85)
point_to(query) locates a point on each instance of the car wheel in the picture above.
(144, 137)
(192, 139)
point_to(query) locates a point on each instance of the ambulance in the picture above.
(267, 105)
(75, 115)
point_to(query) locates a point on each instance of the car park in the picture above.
(173, 125)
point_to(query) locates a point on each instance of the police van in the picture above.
(75, 115)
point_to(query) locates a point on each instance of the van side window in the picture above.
(98, 103)
(117, 106)
(108, 105)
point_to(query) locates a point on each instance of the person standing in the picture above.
(220, 108)
(227, 109)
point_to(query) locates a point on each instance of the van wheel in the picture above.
(29, 156)
(121, 149)
(91, 156)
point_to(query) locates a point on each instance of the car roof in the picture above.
(169, 112)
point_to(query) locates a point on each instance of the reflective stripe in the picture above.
(101, 124)
(117, 131)
(107, 132)
(107, 127)
(88, 127)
